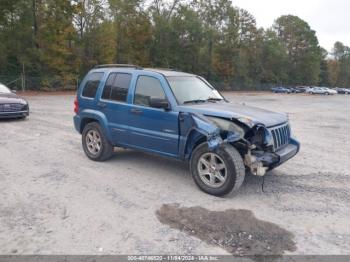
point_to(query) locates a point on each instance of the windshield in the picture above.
(188, 89)
(4, 89)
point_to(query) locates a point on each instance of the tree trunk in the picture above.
(35, 23)
(210, 62)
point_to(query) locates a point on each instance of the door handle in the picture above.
(103, 105)
(136, 111)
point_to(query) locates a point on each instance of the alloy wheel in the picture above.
(93, 142)
(212, 170)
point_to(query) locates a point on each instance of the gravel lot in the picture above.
(56, 201)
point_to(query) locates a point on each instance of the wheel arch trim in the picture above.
(88, 116)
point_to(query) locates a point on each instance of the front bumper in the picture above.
(275, 159)
(17, 114)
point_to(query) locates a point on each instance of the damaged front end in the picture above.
(261, 148)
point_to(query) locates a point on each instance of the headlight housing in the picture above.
(268, 138)
(23, 102)
(260, 136)
(227, 125)
(247, 121)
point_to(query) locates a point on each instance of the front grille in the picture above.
(11, 108)
(281, 136)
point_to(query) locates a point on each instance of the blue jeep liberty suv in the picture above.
(182, 116)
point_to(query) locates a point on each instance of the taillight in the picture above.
(76, 105)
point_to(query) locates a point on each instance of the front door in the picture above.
(152, 129)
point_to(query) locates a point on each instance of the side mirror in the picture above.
(14, 91)
(159, 103)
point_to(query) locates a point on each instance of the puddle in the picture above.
(237, 231)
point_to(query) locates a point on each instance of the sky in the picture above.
(329, 18)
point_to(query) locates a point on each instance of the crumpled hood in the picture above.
(235, 111)
(10, 99)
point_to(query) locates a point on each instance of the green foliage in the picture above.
(302, 47)
(59, 41)
(274, 60)
(339, 67)
(342, 56)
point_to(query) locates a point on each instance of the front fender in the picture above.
(195, 129)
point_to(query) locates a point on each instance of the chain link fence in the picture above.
(40, 83)
(68, 83)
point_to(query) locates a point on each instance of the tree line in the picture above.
(54, 43)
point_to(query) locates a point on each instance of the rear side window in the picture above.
(117, 87)
(147, 88)
(106, 94)
(92, 83)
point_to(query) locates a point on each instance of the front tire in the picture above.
(95, 144)
(217, 172)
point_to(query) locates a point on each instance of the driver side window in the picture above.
(146, 88)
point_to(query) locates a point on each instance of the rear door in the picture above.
(113, 103)
(318, 90)
(152, 129)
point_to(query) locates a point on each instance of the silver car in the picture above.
(323, 91)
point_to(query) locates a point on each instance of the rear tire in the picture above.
(95, 144)
(209, 175)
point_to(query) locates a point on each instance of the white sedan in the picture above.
(323, 91)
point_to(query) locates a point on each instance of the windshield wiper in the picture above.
(214, 99)
(195, 101)
(210, 99)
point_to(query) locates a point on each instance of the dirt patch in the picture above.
(237, 231)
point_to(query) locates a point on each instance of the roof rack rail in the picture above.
(118, 65)
(164, 68)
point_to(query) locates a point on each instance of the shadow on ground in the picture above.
(12, 120)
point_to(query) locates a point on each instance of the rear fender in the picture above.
(98, 117)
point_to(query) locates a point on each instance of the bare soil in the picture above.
(237, 231)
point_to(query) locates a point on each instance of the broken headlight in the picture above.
(268, 139)
(247, 121)
(228, 126)
(260, 136)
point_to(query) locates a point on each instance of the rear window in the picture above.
(92, 82)
(117, 87)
